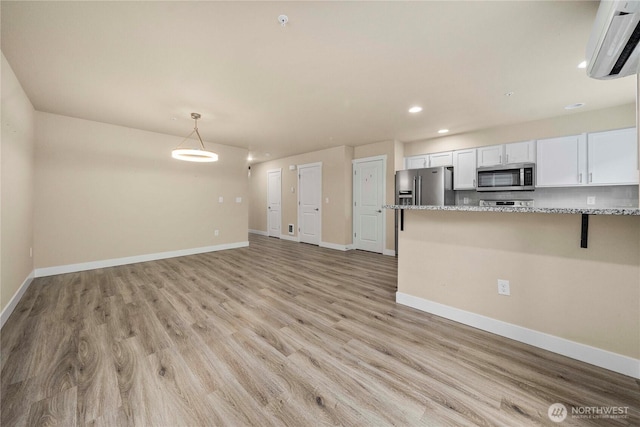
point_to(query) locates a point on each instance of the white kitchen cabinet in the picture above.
(613, 157)
(416, 162)
(464, 169)
(514, 152)
(520, 152)
(441, 159)
(561, 162)
(490, 156)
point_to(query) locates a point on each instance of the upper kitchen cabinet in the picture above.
(429, 160)
(416, 162)
(599, 158)
(520, 152)
(613, 157)
(491, 155)
(441, 159)
(464, 169)
(561, 162)
(514, 152)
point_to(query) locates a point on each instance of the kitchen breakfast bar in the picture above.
(576, 299)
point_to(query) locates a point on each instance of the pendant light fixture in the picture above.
(194, 154)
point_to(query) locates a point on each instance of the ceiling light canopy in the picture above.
(415, 109)
(194, 154)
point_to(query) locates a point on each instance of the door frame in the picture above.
(307, 165)
(279, 170)
(354, 164)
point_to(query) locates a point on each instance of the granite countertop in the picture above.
(588, 211)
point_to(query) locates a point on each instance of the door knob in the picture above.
(316, 209)
(379, 211)
(269, 207)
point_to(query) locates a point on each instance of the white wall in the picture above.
(17, 171)
(105, 192)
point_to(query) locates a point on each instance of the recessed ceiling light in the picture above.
(415, 109)
(443, 131)
(509, 94)
(583, 64)
(574, 106)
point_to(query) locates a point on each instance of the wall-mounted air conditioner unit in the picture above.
(612, 51)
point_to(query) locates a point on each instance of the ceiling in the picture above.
(339, 73)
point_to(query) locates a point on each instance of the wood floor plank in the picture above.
(275, 334)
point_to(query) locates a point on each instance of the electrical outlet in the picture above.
(465, 201)
(216, 233)
(220, 199)
(291, 229)
(591, 200)
(503, 287)
(238, 199)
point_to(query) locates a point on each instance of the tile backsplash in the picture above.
(619, 196)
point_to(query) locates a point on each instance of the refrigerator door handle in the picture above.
(419, 192)
(415, 187)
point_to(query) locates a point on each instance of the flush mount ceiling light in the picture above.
(574, 106)
(443, 131)
(415, 109)
(583, 64)
(194, 154)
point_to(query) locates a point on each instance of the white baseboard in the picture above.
(260, 232)
(15, 299)
(389, 252)
(290, 238)
(92, 265)
(605, 359)
(334, 246)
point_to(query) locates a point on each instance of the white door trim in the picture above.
(354, 162)
(307, 165)
(279, 170)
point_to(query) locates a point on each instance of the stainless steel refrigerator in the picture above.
(429, 186)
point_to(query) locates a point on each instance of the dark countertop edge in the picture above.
(578, 211)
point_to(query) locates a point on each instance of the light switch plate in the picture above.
(238, 199)
(220, 199)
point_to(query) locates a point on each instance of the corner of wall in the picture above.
(17, 177)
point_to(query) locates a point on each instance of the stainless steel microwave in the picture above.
(513, 177)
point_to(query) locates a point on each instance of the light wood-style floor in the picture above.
(279, 333)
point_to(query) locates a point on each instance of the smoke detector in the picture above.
(283, 19)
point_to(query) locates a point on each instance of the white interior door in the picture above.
(310, 202)
(368, 198)
(274, 202)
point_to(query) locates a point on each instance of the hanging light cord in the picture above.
(195, 117)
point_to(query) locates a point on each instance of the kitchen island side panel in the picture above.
(589, 296)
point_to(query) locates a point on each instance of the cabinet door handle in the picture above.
(507, 159)
(590, 176)
(474, 183)
(500, 158)
(580, 178)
